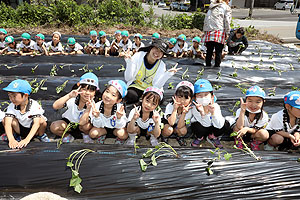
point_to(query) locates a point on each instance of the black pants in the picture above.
(236, 49)
(201, 131)
(209, 53)
(133, 95)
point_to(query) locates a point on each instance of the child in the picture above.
(171, 47)
(24, 116)
(125, 44)
(3, 34)
(137, 43)
(40, 45)
(55, 47)
(154, 37)
(73, 47)
(108, 116)
(93, 46)
(114, 48)
(26, 46)
(178, 114)
(251, 119)
(144, 120)
(195, 51)
(11, 48)
(181, 46)
(284, 125)
(104, 44)
(75, 104)
(237, 42)
(207, 118)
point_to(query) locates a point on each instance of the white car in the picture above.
(283, 4)
(162, 4)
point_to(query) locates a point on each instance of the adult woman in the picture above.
(146, 69)
(216, 29)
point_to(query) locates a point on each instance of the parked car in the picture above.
(162, 4)
(183, 7)
(174, 6)
(283, 4)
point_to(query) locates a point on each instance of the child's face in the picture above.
(118, 36)
(254, 103)
(238, 35)
(171, 46)
(155, 53)
(16, 97)
(204, 98)
(137, 40)
(93, 37)
(25, 41)
(124, 38)
(295, 111)
(196, 44)
(180, 41)
(103, 39)
(39, 41)
(148, 105)
(111, 96)
(72, 46)
(182, 100)
(86, 93)
(55, 38)
(2, 36)
(11, 45)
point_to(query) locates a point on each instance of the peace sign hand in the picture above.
(176, 104)
(186, 108)
(200, 108)
(156, 117)
(243, 104)
(74, 93)
(137, 112)
(174, 69)
(120, 112)
(95, 111)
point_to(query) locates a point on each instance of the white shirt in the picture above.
(111, 121)
(136, 47)
(276, 123)
(200, 48)
(72, 113)
(39, 48)
(58, 47)
(260, 124)
(33, 110)
(126, 46)
(95, 45)
(142, 124)
(180, 50)
(76, 48)
(103, 45)
(11, 49)
(169, 111)
(171, 50)
(217, 120)
(2, 44)
(2, 115)
(29, 46)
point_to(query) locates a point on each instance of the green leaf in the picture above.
(69, 164)
(212, 152)
(234, 134)
(74, 173)
(209, 171)
(227, 156)
(148, 153)
(78, 188)
(75, 181)
(298, 160)
(153, 159)
(143, 165)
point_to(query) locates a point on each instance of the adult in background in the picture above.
(237, 42)
(216, 29)
(145, 69)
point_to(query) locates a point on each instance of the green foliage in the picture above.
(218, 153)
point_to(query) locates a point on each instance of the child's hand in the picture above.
(74, 93)
(293, 139)
(243, 104)
(200, 108)
(211, 108)
(156, 117)
(120, 112)
(106, 55)
(95, 111)
(174, 69)
(176, 104)
(297, 139)
(136, 113)
(13, 144)
(127, 55)
(242, 132)
(186, 108)
(23, 143)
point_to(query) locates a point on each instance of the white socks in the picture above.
(153, 140)
(131, 139)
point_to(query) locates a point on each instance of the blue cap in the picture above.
(138, 35)
(120, 86)
(202, 85)
(118, 32)
(293, 99)
(18, 86)
(2, 30)
(93, 33)
(196, 39)
(256, 91)
(125, 33)
(155, 35)
(182, 37)
(89, 79)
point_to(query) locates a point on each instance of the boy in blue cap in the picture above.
(93, 46)
(3, 34)
(24, 116)
(125, 44)
(104, 44)
(284, 127)
(40, 45)
(73, 47)
(11, 48)
(26, 46)
(196, 50)
(115, 44)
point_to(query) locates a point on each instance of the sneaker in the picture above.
(3, 137)
(164, 139)
(119, 141)
(181, 141)
(238, 143)
(268, 147)
(101, 139)
(17, 137)
(68, 139)
(153, 141)
(255, 145)
(214, 141)
(87, 139)
(196, 142)
(43, 138)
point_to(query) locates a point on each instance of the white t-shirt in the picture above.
(142, 124)
(136, 47)
(2, 44)
(169, 111)
(58, 47)
(95, 45)
(39, 48)
(217, 120)
(12, 50)
(29, 46)
(171, 50)
(180, 50)
(72, 113)
(200, 48)
(126, 46)
(2, 115)
(76, 48)
(260, 124)
(33, 110)
(103, 45)
(108, 121)
(276, 123)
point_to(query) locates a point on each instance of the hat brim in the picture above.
(148, 48)
(13, 90)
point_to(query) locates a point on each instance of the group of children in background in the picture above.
(120, 46)
(100, 115)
